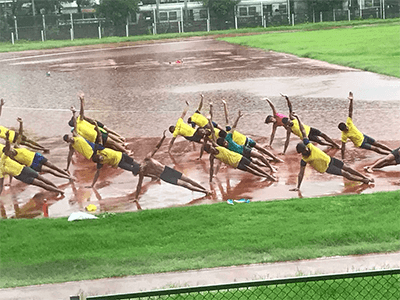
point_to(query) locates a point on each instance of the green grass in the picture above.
(367, 288)
(54, 250)
(370, 48)
(38, 45)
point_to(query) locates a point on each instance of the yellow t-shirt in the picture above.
(181, 128)
(110, 157)
(3, 131)
(353, 134)
(228, 157)
(86, 129)
(1, 148)
(199, 119)
(318, 159)
(24, 156)
(82, 147)
(296, 128)
(239, 138)
(9, 166)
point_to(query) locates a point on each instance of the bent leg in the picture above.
(113, 145)
(262, 158)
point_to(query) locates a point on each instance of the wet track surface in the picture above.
(140, 90)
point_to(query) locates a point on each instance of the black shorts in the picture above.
(246, 152)
(314, 135)
(170, 175)
(367, 142)
(127, 163)
(38, 161)
(335, 167)
(244, 162)
(104, 136)
(396, 153)
(27, 175)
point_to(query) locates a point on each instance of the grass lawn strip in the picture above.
(54, 250)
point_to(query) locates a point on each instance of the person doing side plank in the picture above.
(22, 173)
(313, 134)
(391, 159)
(322, 162)
(153, 168)
(360, 140)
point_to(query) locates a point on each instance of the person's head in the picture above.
(71, 122)
(287, 122)
(98, 159)
(228, 128)
(270, 119)
(302, 148)
(342, 126)
(201, 132)
(222, 134)
(67, 138)
(222, 142)
(189, 121)
(171, 129)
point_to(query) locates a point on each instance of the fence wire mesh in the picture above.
(371, 285)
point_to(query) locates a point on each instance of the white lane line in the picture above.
(101, 49)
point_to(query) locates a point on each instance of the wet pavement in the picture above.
(140, 90)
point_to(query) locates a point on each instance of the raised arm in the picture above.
(20, 131)
(73, 110)
(240, 114)
(303, 131)
(201, 102)
(185, 110)
(288, 103)
(99, 138)
(82, 109)
(1, 105)
(272, 106)
(151, 154)
(226, 112)
(350, 105)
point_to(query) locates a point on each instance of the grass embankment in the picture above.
(54, 250)
(24, 45)
(370, 48)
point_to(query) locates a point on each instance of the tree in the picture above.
(117, 10)
(221, 9)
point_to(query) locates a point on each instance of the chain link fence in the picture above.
(370, 285)
(171, 20)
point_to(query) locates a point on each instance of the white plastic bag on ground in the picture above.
(80, 216)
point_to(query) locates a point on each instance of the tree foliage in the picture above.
(117, 10)
(325, 5)
(220, 8)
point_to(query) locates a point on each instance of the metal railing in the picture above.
(73, 26)
(382, 284)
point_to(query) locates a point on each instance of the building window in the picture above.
(163, 16)
(173, 16)
(252, 11)
(242, 11)
(203, 14)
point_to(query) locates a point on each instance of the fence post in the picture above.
(349, 14)
(320, 16)
(155, 21)
(292, 19)
(179, 26)
(182, 19)
(12, 38)
(127, 27)
(383, 10)
(208, 20)
(72, 27)
(313, 15)
(44, 28)
(42, 34)
(236, 24)
(262, 15)
(16, 27)
(334, 16)
(288, 10)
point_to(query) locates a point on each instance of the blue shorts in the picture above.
(38, 161)
(250, 142)
(367, 142)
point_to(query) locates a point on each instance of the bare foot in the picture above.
(368, 169)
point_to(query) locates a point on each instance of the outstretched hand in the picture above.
(284, 95)
(73, 109)
(350, 96)
(19, 119)
(81, 96)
